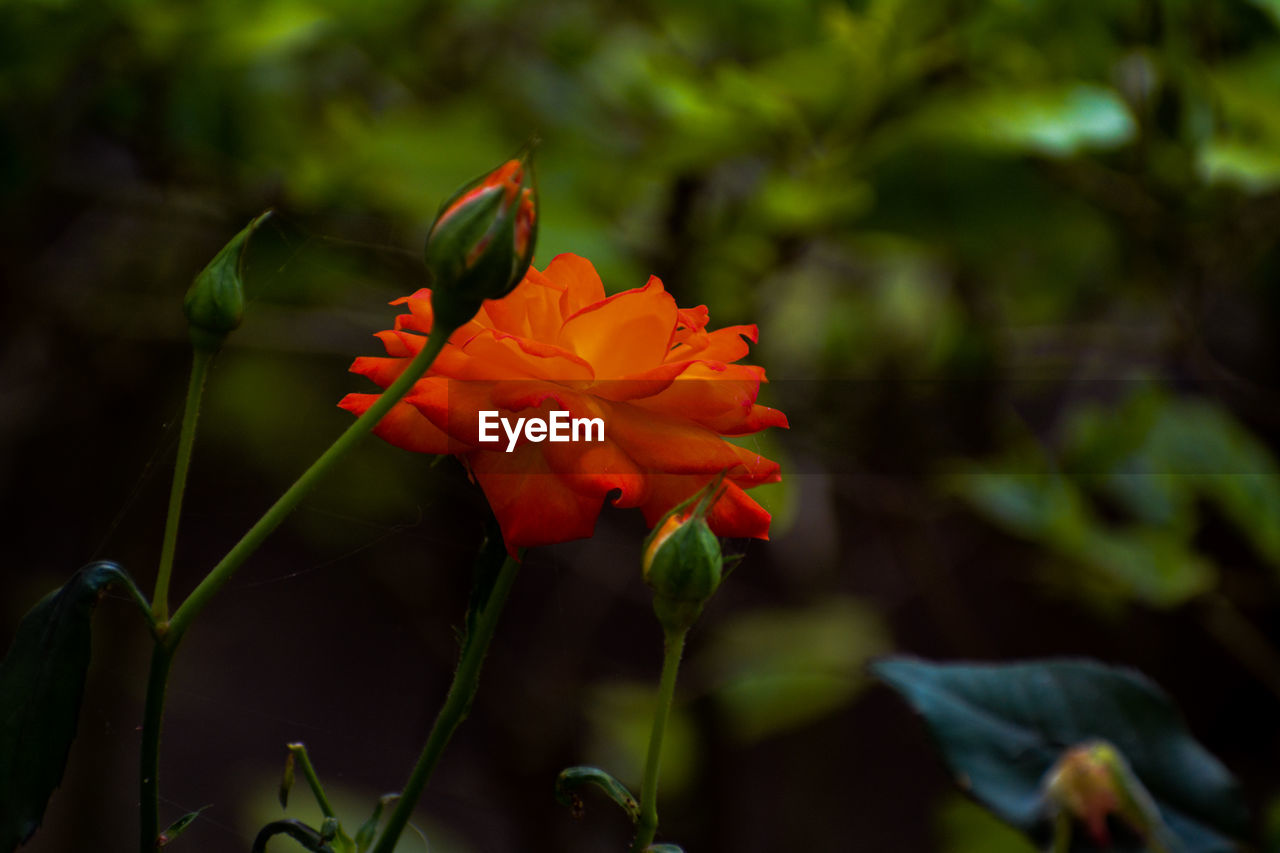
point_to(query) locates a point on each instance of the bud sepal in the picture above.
(481, 244)
(214, 304)
(682, 563)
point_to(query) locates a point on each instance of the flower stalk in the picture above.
(170, 634)
(289, 501)
(457, 705)
(153, 717)
(200, 362)
(647, 827)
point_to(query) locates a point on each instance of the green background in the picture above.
(1015, 269)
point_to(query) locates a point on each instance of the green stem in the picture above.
(287, 502)
(647, 828)
(299, 752)
(190, 415)
(149, 830)
(456, 706)
(169, 635)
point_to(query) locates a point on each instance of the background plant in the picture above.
(964, 228)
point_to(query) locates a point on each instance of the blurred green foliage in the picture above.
(779, 669)
(1020, 251)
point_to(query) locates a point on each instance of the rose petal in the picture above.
(533, 505)
(666, 389)
(627, 333)
(581, 283)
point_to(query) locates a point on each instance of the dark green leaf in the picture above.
(664, 848)
(309, 838)
(1001, 728)
(41, 685)
(179, 826)
(573, 778)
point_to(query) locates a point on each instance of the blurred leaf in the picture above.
(1251, 167)
(621, 716)
(1002, 727)
(965, 827)
(1056, 122)
(1271, 7)
(791, 204)
(1160, 454)
(273, 28)
(780, 669)
(1153, 565)
(41, 685)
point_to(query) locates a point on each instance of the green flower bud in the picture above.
(481, 244)
(682, 565)
(214, 303)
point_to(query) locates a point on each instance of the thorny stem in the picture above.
(456, 706)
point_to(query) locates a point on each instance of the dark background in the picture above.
(1015, 270)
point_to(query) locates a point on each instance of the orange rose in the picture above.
(665, 388)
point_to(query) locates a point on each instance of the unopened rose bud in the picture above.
(214, 303)
(481, 244)
(1092, 782)
(682, 565)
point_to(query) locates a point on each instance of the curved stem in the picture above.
(153, 716)
(190, 415)
(456, 706)
(647, 828)
(287, 502)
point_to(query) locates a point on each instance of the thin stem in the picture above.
(647, 828)
(153, 716)
(299, 752)
(456, 706)
(287, 502)
(190, 415)
(169, 635)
